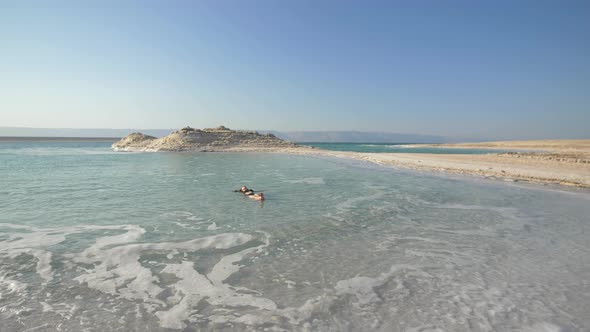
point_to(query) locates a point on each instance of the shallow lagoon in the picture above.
(95, 240)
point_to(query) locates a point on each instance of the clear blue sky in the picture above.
(493, 69)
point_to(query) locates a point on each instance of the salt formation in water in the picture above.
(208, 139)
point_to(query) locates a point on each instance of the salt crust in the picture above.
(117, 271)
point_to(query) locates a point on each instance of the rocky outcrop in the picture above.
(209, 139)
(137, 140)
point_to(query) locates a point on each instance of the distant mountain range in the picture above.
(294, 136)
(356, 137)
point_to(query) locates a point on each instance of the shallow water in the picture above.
(399, 148)
(95, 240)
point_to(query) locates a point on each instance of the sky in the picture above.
(480, 69)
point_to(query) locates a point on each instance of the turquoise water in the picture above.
(96, 240)
(396, 148)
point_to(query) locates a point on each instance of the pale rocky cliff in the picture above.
(209, 139)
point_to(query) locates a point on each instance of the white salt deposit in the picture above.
(213, 227)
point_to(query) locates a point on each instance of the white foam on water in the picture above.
(43, 264)
(189, 291)
(346, 206)
(63, 309)
(177, 214)
(113, 264)
(118, 270)
(31, 243)
(46, 307)
(185, 225)
(360, 287)
(185, 219)
(42, 327)
(363, 288)
(194, 287)
(8, 286)
(213, 227)
(425, 328)
(543, 327)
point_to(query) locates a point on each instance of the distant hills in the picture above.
(294, 136)
(356, 137)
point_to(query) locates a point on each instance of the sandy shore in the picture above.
(556, 146)
(507, 167)
(565, 162)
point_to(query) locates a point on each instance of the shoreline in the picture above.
(563, 162)
(555, 167)
(557, 146)
(498, 167)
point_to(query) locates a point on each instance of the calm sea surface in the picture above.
(397, 148)
(93, 240)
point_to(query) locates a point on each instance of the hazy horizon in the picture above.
(468, 70)
(295, 135)
(299, 136)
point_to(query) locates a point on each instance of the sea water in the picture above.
(96, 240)
(399, 148)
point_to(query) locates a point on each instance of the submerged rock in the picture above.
(209, 139)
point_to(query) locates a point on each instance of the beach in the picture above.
(581, 146)
(564, 162)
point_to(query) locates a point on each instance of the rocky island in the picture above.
(203, 140)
